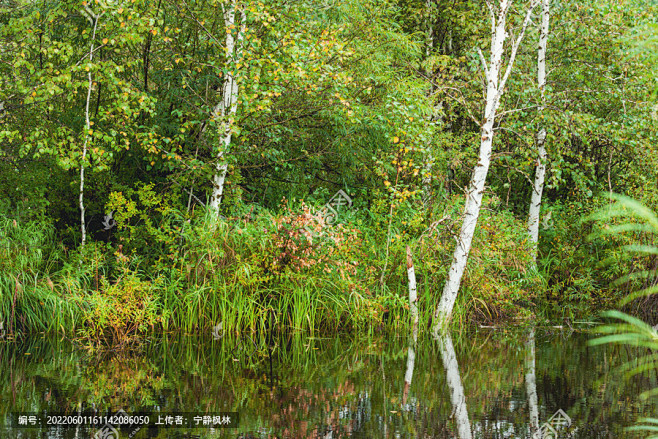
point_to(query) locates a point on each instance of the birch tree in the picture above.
(226, 108)
(540, 172)
(94, 19)
(495, 86)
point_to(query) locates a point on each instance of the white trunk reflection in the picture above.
(457, 397)
(413, 308)
(411, 362)
(531, 384)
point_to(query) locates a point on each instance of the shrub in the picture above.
(118, 312)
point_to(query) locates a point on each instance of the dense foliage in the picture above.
(378, 98)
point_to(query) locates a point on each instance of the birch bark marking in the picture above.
(540, 172)
(227, 107)
(86, 141)
(495, 87)
(413, 298)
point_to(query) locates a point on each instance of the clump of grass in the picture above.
(118, 312)
(259, 270)
(29, 300)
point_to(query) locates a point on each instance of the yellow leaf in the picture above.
(396, 139)
(105, 40)
(387, 183)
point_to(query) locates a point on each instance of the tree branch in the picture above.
(515, 47)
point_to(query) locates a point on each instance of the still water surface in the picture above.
(488, 384)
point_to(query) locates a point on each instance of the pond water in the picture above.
(488, 384)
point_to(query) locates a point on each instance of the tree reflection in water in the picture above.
(531, 384)
(505, 385)
(457, 396)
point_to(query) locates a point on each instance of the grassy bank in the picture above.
(285, 269)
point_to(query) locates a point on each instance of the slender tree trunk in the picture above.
(494, 89)
(457, 396)
(227, 107)
(413, 298)
(540, 172)
(83, 226)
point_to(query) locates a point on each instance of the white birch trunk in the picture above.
(413, 298)
(457, 396)
(81, 200)
(227, 107)
(531, 384)
(540, 172)
(494, 89)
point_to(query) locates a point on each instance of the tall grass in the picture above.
(263, 272)
(29, 299)
(252, 272)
